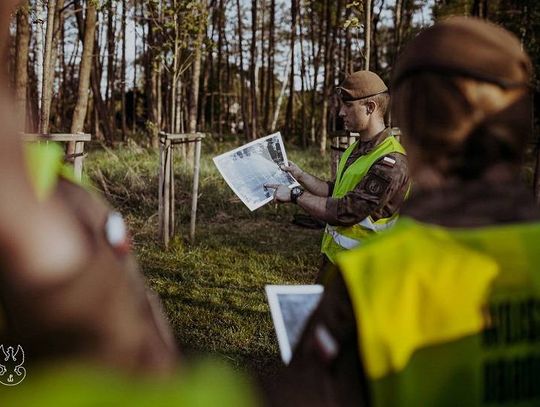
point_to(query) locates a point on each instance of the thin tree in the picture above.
(289, 117)
(252, 71)
(367, 33)
(21, 63)
(48, 69)
(81, 107)
(123, 73)
(270, 88)
(194, 89)
(244, 107)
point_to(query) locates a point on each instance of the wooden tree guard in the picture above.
(79, 139)
(166, 182)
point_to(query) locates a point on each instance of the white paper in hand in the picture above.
(246, 169)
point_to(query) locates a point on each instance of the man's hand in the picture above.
(293, 169)
(282, 193)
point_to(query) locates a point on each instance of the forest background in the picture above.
(127, 69)
(124, 70)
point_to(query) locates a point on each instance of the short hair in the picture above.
(382, 100)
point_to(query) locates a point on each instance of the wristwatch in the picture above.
(296, 193)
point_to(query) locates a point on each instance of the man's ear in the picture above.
(371, 106)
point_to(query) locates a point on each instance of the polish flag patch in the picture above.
(388, 161)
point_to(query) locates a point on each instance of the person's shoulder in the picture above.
(391, 161)
(406, 243)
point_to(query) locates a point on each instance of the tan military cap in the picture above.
(360, 85)
(464, 46)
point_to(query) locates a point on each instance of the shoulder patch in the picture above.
(376, 185)
(388, 161)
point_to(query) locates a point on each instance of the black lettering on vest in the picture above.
(512, 323)
(512, 380)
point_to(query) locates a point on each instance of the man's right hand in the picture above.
(294, 170)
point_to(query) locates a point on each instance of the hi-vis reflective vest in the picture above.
(448, 317)
(339, 238)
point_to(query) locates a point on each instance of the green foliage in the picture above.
(213, 290)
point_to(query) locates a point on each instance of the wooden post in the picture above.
(172, 206)
(79, 158)
(78, 139)
(160, 186)
(195, 194)
(166, 192)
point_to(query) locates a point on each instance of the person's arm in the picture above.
(384, 182)
(381, 192)
(311, 183)
(312, 204)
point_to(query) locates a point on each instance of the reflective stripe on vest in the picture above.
(339, 238)
(448, 317)
(349, 243)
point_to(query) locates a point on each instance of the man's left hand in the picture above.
(282, 193)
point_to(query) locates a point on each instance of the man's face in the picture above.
(354, 114)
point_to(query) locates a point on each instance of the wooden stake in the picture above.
(195, 193)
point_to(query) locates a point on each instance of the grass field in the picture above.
(213, 290)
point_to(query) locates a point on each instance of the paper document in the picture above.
(291, 306)
(246, 169)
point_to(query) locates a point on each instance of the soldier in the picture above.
(69, 288)
(372, 178)
(442, 309)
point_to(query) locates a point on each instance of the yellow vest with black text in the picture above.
(339, 238)
(448, 317)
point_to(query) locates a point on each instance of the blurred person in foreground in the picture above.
(444, 309)
(78, 326)
(371, 180)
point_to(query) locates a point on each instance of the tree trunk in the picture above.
(285, 82)
(252, 71)
(40, 19)
(316, 58)
(289, 117)
(221, 35)
(367, 34)
(269, 92)
(153, 77)
(244, 106)
(46, 92)
(21, 64)
(123, 73)
(58, 43)
(194, 93)
(110, 95)
(79, 114)
(302, 82)
(326, 80)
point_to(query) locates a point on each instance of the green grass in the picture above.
(213, 289)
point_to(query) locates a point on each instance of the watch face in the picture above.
(296, 192)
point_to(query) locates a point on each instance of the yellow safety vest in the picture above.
(204, 384)
(339, 238)
(448, 317)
